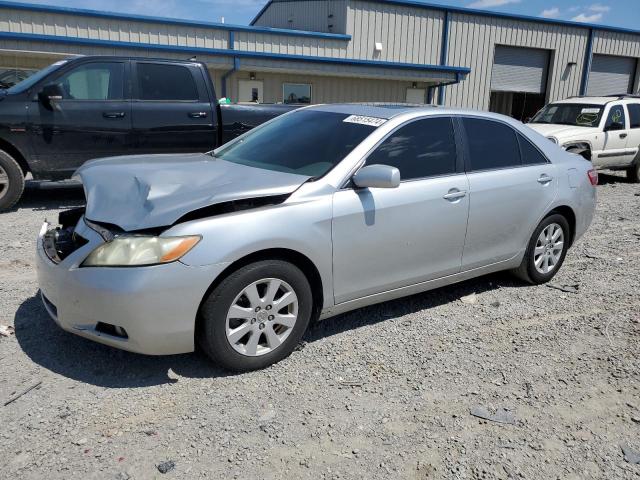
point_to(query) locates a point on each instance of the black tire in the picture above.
(527, 270)
(11, 181)
(212, 337)
(633, 172)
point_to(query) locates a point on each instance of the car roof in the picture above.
(378, 110)
(392, 110)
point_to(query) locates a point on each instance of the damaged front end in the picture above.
(61, 241)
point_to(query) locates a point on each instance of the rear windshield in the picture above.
(305, 142)
(574, 114)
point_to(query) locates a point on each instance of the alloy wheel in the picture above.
(549, 248)
(261, 317)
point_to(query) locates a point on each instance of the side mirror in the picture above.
(49, 94)
(377, 176)
(614, 126)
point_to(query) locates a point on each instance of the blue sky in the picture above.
(620, 13)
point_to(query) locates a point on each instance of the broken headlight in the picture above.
(138, 250)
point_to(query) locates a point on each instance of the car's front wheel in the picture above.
(546, 250)
(256, 316)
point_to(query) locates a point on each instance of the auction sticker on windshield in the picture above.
(364, 120)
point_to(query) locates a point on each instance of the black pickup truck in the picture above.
(98, 106)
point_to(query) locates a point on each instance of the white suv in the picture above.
(605, 130)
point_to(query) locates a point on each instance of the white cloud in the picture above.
(583, 17)
(550, 12)
(491, 3)
(596, 7)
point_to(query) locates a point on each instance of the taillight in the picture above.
(593, 176)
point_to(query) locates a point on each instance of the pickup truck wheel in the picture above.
(256, 316)
(633, 172)
(546, 250)
(11, 181)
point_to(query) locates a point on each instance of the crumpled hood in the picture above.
(561, 132)
(148, 191)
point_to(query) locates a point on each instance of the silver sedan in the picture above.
(320, 211)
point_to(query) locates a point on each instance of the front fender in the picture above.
(303, 226)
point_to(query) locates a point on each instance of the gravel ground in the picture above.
(382, 392)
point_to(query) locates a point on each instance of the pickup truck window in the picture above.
(616, 116)
(27, 83)
(574, 114)
(304, 142)
(94, 81)
(166, 82)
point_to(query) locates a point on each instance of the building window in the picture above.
(296, 93)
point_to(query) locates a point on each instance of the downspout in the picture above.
(235, 68)
(586, 69)
(236, 65)
(444, 53)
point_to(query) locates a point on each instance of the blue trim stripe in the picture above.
(444, 53)
(169, 21)
(483, 13)
(588, 59)
(459, 71)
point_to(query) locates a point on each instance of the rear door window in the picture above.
(492, 144)
(423, 148)
(166, 82)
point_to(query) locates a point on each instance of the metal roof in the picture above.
(171, 21)
(474, 11)
(458, 71)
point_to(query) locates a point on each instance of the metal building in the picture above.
(351, 50)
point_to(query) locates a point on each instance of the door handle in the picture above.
(544, 179)
(623, 135)
(113, 114)
(455, 194)
(198, 115)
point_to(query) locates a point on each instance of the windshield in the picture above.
(575, 114)
(305, 142)
(27, 83)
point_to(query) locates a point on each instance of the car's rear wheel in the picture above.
(546, 250)
(11, 181)
(256, 316)
(633, 172)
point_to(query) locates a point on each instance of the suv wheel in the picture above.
(11, 181)
(546, 250)
(256, 316)
(633, 172)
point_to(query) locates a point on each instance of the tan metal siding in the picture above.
(290, 45)
(54, 51)
(407, 34)
(308, 15)
(472, 43)
(77, 26)
(328, 89)
(616, 43)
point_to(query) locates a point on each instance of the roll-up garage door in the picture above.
(610, 75)
(520, 70)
